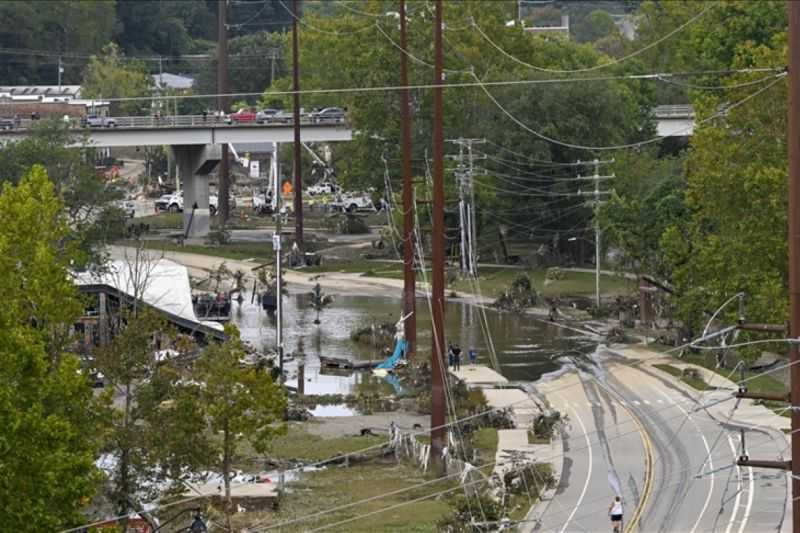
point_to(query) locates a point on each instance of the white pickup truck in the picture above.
(174, 203)
(352, 202)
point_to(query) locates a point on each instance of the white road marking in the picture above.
(710, 462)
(588, 476)
(736, 502)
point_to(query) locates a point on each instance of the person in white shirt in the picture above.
(615, 511)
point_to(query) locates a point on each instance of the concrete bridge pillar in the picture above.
(195, 162)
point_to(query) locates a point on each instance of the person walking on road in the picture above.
(615, 511)
(451, 357)
(473, 356)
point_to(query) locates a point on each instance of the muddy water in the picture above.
(525, 347)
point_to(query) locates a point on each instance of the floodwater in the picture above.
(526, 348)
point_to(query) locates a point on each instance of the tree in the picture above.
(110, 75)
(736, 236)
(241, 404)
(319, 301)
(648, 197)
(69, 164)
(50, 429)
(597, 25)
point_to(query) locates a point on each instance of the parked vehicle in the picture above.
(263, 116)
(281, 117)
(242, 116)
(126, 206)
(352, 202)
(173, 203)
(328, 114)
(6, 123)
(323, 187)
(98, 121)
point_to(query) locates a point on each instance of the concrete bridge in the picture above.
(674, 120)
(196, 143)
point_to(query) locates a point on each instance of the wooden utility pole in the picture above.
(298, 183)
(223, 104)
(794, 248)
(409, 279)
(438, 363)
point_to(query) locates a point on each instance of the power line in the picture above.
(595, 67)
(544, 137)
(326, 32)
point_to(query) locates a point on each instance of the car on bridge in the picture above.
(264, 116)
(243, 116)
(98, 121)
(328, 114)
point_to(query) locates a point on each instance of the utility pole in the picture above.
(409, 276)
(298, 183)
(466, 204)
(223, 104)
(794, 248)
(438, 432)
(276, 245)
(596, 178)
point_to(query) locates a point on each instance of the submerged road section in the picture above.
(667, 449)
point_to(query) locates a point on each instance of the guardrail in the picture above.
(673, 111)
(180, 121)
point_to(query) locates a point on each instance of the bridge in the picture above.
(674, 120)
(195, 141)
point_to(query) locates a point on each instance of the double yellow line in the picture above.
(648, 474)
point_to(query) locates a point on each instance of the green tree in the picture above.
(648, 197)
(111, 75)
(736, 237)
(597, 25)
(49, 435)
(241, 405)
(70, 166)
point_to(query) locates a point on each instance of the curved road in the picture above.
(634, 431)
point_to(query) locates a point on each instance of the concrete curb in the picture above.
(538, 510)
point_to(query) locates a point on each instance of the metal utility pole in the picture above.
(409, 276)
(223, 103)
(794, 247)
(276, 245)
(596, 177)
(298, 183)
(438, 432)
(466, 204)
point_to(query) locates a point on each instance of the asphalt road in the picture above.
(634, 432)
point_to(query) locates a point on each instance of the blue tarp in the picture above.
(391, 362)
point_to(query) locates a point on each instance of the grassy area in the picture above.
(339, 486)
(757, 382)
(485, 441)
(495, 280)
(696, 383)
(237, 251)
(533, 439)
(302, 445)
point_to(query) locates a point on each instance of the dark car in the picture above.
(328, 114)
(6, 123)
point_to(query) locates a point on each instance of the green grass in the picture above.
(485, 441)
(334, 487)
(533, 439)
(237, 251)
(696, 383)
(759, 383)
(304, 446)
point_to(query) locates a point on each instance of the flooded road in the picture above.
(525, 347)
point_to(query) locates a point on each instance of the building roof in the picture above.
(167, 288)
(63, 91)
(172, 81)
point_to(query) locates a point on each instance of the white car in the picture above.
(126, 206)
(174, 203)
(323, 187)
(352, 202)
